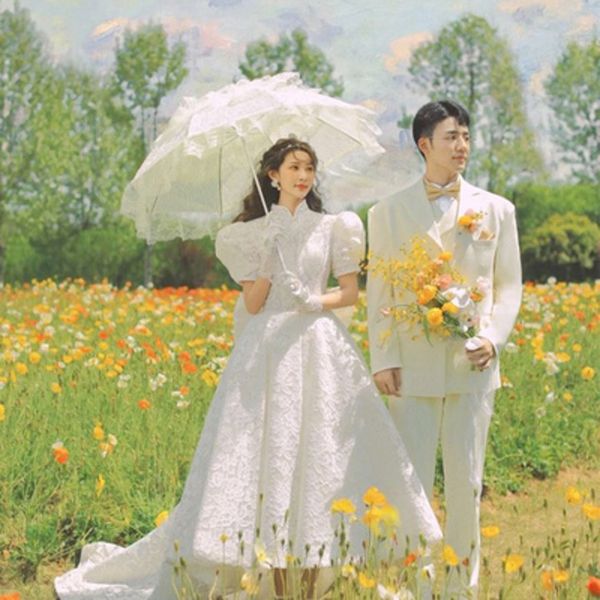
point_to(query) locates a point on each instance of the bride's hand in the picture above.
(306, 301)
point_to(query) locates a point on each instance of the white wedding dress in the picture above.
(295, 423)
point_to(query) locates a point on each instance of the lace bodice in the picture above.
(314, 246)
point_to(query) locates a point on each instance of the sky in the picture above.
(368, 43)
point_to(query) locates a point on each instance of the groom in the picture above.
(438, 389)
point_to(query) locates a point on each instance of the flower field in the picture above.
(103, 392)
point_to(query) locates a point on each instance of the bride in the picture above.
(295, 423)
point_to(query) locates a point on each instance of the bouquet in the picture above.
(431, 292)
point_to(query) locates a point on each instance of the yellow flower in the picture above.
(365, 581)
(561, 576)
(55, 388)
(513, 562)
(223, 537)
(374, 497)
(348, 570)
(445, 256)
(427, 294)
(562, 357)
(490, 531)
(249, 583)
(210, 378)
(567, 397)
(161, 518)
(576, 348)
(98, 432)
(389, 515)
(449, 307)
(100, 483)
(591, 511)
(343, 506)
(21, 368)
(588, 373)
(449, 556)
(435, 317)
(34, 358)
(573, 495)
(2, 413)
(261, 554)
(465, 221)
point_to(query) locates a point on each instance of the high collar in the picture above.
(300, 209)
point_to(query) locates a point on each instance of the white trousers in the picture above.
(462, 422)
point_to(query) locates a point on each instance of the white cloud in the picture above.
(209, 32)
(401, 49)
(536, 82)
(554, 8)
(584, 24)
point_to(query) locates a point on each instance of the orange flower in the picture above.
(11, 596)
(410, 559)
(445, 256)
(591, 511)
(593, 586)
(189, 367)
(61, 455)
(427, 294)
(547, 581)
(144, 404)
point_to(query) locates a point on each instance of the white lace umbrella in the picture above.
(200, 167)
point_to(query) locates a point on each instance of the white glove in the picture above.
(276, 224)
(306, 301)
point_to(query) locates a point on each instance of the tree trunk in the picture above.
(148, 265)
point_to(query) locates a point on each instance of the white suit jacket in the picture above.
(439, 367)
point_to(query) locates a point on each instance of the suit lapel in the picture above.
(419, 210)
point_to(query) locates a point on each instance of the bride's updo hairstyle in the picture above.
(271, 161)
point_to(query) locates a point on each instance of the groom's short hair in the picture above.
(432, 113)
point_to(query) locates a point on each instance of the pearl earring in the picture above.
(275, 184)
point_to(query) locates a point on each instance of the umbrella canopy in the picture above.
(201, 166)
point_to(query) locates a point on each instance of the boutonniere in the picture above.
(470, 221)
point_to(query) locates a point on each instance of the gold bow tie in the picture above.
(433, 191)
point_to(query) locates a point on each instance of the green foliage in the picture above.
(536, 202)
(291, 53)
(470, 63)
(573, 92)
(23, 72)
(146, 71)
(566, 246)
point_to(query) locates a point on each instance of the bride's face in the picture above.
(295, 176)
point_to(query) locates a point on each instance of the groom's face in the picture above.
(448, 147)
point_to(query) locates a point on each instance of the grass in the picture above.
(90, 375)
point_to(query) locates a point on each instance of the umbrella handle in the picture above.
(260, 192)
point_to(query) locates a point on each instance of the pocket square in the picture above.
(485, 234)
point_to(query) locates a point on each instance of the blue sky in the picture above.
(369, 43)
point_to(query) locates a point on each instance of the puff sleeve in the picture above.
(237, 247)
(348, 243)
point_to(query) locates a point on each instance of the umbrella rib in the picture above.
(220, 163)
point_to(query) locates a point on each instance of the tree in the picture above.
(291, 53)
(468, 62)
(574, 97)
(23, 72)
(146, 71)
(565, 246)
